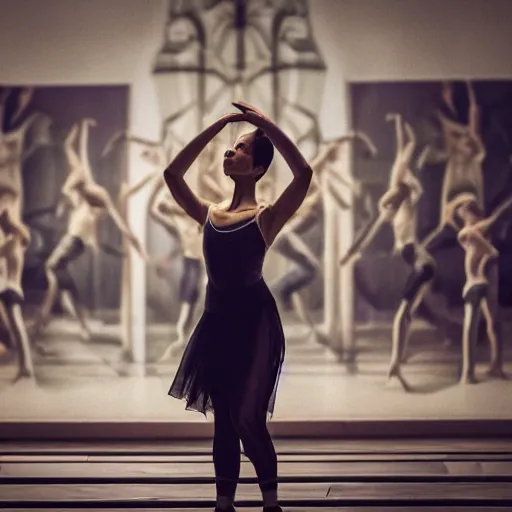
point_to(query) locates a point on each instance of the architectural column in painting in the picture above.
(339, 233)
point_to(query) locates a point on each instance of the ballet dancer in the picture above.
(16, 238)
(481, 289)
(88, 202)
(11, 155)
(398, 205)
(464, 153)
(289, 243)
(164, 210)
(478, 293)
(238, 380)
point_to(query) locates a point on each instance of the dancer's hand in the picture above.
(233, 117)
(253, 115)
(90, 121)
(245, 107)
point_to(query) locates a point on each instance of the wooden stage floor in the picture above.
(316, 475)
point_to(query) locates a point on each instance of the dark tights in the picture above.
(235, 424)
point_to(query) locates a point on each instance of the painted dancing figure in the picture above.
(398, 205)
(16, 238)
(233, 360)
(88, 202)
(480, 292)
(290, 244)
(464, 154)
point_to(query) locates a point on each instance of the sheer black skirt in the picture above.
(235, 352)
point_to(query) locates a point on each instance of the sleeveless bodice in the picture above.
(234, 254)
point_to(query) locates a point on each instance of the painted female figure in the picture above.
(233, 359)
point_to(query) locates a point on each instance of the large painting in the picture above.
(62, 175)
(431, 252)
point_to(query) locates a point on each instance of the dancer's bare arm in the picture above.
(474, 110)
(415, 187)
(340, 202)
(23, 101)
(300, 246)
(431, 156)
(130, 191)
(85, 125)
(125, 230)
(274, 218)
(194, 206)
(497, 215)
(474, 123)
(393, 198)
(165, 220)
(410, 146)
(399, 131)
(99, 197)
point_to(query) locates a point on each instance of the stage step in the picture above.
(315, 476)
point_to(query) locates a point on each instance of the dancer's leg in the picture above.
(414, 291)
(226, 454)
(71, 300)
(472, 311)
(26, 366)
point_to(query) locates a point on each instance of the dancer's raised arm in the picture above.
(85, 125)
(474, 123)
(496, 215)
(154, 203)
(175, 172)
(274, 218)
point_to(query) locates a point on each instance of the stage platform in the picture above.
(315, 475)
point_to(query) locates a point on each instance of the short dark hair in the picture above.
(262, 151)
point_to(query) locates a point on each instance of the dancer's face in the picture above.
(469, 214)
(461, 143)
(238, 160)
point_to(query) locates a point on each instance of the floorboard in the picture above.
(288, 509)
(315, 476)
(413, 492)
(283, 447)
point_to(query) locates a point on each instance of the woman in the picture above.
(232, 362)
(480, 291)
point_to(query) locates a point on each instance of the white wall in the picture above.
(115, 41)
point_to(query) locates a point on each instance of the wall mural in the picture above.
(428, 186)
(437, 244)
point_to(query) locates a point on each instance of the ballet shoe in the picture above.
(24, 373)
(394, 371)
(395, 374)
(496, 370)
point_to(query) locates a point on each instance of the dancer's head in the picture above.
(458, 137)
(78, 183)
(468, 210)
(250, 156)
